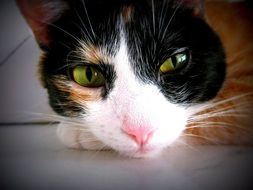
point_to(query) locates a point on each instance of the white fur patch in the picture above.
(141, 104)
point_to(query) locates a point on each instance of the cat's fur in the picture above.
(229, 120)
(128, 41)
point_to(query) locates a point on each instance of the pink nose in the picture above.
(141, 135)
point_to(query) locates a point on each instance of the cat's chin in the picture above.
(141, 154)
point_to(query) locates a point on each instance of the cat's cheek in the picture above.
(104, 125)
(165, 135)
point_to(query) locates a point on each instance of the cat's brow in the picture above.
(93, 54)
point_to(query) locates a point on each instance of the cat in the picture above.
(136, 76)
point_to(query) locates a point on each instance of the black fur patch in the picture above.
(176, 28)
(149, 42)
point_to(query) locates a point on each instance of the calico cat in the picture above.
(129, 75)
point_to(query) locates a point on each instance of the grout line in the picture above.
(14, 50)
(28, 123)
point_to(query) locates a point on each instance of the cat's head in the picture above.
(128, 71)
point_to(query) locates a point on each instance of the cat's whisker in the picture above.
(61, 29)
(199, 136)
(66, 32)
(233, 98)
(230, 99)
(242, 108)
(209, 122)
(76, 56)
(43, 114)
(162, 16)
(213, 104)
(68, 61)
(74, 59)
(83, 25)
(73, 124)
(88, 18)
(80, 141)
(235, 56)
(171, 19)
(229, 109)
(65, 45)
(228, 127)
(74, 127)
(84, 34)
(153, 15)
(209, 125)
(218, 115)
(56, 117)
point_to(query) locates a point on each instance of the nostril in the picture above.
(140, 135)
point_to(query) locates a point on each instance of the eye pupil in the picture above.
(89, 74)
(175, 61)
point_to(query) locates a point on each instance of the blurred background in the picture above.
(22, 98)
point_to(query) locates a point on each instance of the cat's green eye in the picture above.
(174, 62)
(88, 76)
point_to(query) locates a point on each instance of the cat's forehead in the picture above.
(135, 22)
(94, 54)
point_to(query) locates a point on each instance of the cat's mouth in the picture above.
(143, 152)
(146, 149)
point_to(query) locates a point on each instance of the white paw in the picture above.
(79, 138)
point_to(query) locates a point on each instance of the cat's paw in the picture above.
(79, 138)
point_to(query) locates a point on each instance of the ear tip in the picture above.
(22, 3)
(197, 7)
(38, 16)
(23, 6)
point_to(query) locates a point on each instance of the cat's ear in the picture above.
(39, 14)
(196, 6)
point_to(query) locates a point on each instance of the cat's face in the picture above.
(128, 71)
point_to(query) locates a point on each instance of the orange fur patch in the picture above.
(77, 93)
(40, 69)
(93, 54)
(232, 122)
